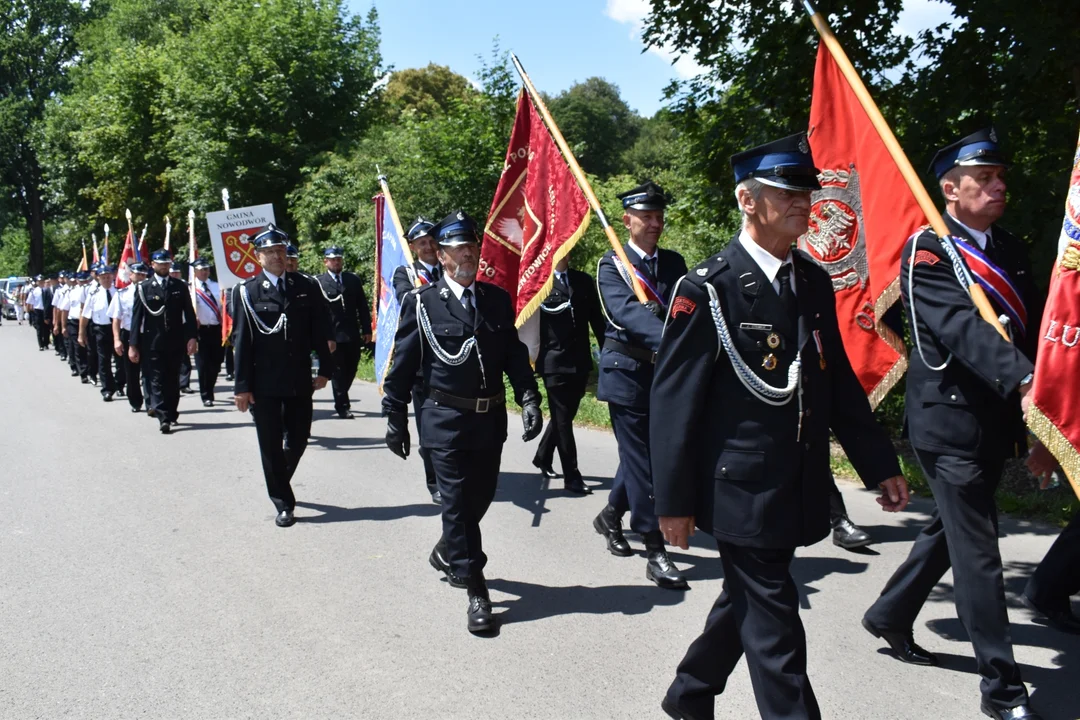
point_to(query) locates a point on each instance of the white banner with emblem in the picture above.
(231, 235)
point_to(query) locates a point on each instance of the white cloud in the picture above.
(633, 13)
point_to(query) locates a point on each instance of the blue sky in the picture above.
(559, 42)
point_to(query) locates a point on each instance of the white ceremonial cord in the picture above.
(559, 309)
(340, 298)
(758, 387)
(458, 358)
(142, 299)
(281, 324)
(600, 294)
(958, 269)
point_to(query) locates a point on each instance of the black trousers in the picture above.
(100, 341)
(82, 355)
(1057, 578)
(467, 481)
(283, 425)
(419, 395)
(71, 345)
(346, 359)
(962, 534)
(564, 394)
(58, 343)
(185, 371)
(230, 362)
(837, 508)
(756, 615)
(135, 382)
(162, 368)
(208, 359)
(43, 329)
(632, 487)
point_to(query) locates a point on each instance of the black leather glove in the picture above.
(655, 309)
(531, 417)
(397, 433)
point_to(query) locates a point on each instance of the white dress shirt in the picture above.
(34, 299)
(979, 236)
(458, 290)
(122, 304)
(769, 263)
(96, 307)
(75, 301)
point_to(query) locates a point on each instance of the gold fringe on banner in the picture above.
(885, 301)
(1049, 435)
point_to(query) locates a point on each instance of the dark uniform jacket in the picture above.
(738, 465)
(280, 364)
(971, 408)
(403, 283)
(351, 318)
(564, 328)
(623, 379)
(169, 331)
(499, 349)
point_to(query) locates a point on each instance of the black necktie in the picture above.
(651, 264)
(213, 300)
(787, 296)
(435, 274)
(281, 287)
(466, 301)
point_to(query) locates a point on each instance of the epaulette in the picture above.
(702, 272)
(422, 288)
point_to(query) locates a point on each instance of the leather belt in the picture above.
(480, 405)
(630, 351)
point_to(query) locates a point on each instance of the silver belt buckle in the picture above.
(482, 404)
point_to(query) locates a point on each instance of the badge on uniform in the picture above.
(769, 363)
(444, 293)
(702, 272)
(820, 349)
(266, 284)
(773, 341)
(755, 326)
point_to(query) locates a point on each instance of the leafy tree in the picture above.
(36, 45)
(427, 91)
(597, 123)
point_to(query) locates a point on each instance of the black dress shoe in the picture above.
(208, 403)
(436, 496)
(674, 711)
(285, 518)
(480, 618)
(165, 427)
(136, 410)
(74, 373)
(1020, 712)
(848, 535)
(107, 397)
(576, 486)
(345, 414)
(660, 568)
(85, 381)
(609, 524)
(230, 377)
(903, 644)
(151, 412)
(121, 392)
(438, 561)
(187, 391)
(545, 469)
(1062, 620)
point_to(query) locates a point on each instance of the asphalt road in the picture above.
(142, 575)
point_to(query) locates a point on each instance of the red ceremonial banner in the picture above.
(859, 222)
(1054, 416)
(129, 255)
(538, 215)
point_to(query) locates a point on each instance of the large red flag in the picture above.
(1055, 409)
(129, 255)
(538, 215)
(859, 222)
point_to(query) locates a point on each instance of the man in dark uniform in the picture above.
(43, 312)
(163, 332)
(751, 375)
(626, 373)
(964, 387)
(292, 258)
(120, 311)
(280, 320)
(351, 315)
(565, 362)
(425, 271)
(208, 311)
(460, 335)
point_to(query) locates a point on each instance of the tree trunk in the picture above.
(36, 225)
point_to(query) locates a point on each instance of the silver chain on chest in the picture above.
(455, 359)
(282, 323)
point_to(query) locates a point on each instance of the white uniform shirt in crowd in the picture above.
(203, 311)
(34, 299)
(121, 306)
(96, 306)
(60, 297)
(75, 302)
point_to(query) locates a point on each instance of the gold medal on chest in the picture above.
(773, 341)
(769, 363)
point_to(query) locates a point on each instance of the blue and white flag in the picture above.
(389, 256)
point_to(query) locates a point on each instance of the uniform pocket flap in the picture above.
(615, 360)
(448, 329)
(741, 465)
(267, 307)
(933, 392)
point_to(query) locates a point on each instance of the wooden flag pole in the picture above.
(579, 175)
(978, 296)
(402, 243)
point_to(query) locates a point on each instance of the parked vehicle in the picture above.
(8, 288)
